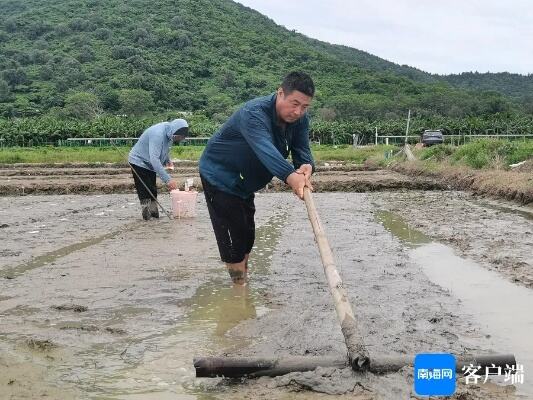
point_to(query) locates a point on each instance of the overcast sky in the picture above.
(448, 36)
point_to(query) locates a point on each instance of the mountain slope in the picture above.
(85, 57)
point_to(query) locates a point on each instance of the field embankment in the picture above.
(496, 168)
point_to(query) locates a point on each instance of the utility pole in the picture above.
(407, 129)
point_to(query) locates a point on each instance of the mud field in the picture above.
(22, 179)
(96, 303)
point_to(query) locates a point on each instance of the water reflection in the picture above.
(218, 306)
(399, 228)
(48, 258)
(509, 322)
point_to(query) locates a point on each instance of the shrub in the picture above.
(439, 152)
(486, 152)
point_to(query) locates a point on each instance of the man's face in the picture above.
(291, 107)
(180, 134)
(178, 138)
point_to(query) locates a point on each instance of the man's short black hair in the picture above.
(299, 81)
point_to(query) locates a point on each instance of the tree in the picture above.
(178, 39)
(5, 92)
(61, 30)
(15, 77)
(82, 105)
(219, 104)
(79, 25)
(11, 25)
(135, 101)
(327, 114)
(102, 33)
(141, 36)
(176, 22)
(46, 72)
(86, 54)
(38, 56)
(109, 98)
(123, 52)
(4, 37)
(38, 28)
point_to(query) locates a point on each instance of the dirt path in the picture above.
(95, 303)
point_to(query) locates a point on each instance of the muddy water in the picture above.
(117, 308)
(131, 340)
(50, 257)
(502, 308)
(497, 235)
(399, 228)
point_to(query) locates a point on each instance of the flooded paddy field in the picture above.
(96, 303)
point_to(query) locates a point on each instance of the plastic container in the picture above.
(183, 203)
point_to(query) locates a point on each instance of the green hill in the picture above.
(513, 85)
(83, 58)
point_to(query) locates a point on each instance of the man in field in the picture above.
(148, 157)
(244, 155)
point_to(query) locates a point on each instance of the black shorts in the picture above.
(233, 222)
(149, 179)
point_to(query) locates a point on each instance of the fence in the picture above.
(451, 139)
(355, 139)
(127, 141)
(96, 141)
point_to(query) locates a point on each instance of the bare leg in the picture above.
(246, 257)
(239, 271)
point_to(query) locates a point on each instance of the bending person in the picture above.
(244, 155)
(148, 158)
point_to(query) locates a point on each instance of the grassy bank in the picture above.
(482, 167)
(14, 155)
(488, 153)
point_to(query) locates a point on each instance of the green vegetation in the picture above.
(58, 155)
(514, 85)
(478, 154)
(35, 131)
(82, 59)
(438, 153)
(357, 155)
(484, 153)
(48, 154)
(107, 68)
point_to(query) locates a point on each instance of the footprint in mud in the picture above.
(9, 253)
(93, 328)
(115, 331)
(327, 380)
(85, 328)
(70, 307)
(40, 345)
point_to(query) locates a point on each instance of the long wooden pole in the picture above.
(211, 367)
(357, 356)
(357, 353)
